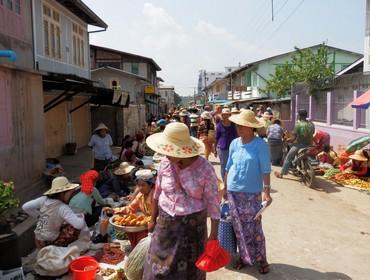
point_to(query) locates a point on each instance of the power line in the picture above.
(283, 22)
(267, 22)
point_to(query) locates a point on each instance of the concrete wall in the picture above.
(16, 33)
(66, 64)
(353, 85)
(22, 156)
(127, 83)
(134, 119)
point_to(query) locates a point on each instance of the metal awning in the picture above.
(72, 85)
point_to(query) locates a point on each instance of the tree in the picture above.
(306, 66)
(177, 99)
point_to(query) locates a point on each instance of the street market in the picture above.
(260, 171)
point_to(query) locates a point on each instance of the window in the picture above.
(254, 80)
(135, 68)
(78, 42)
(52, 33)
(9, 4)
(247, 78)
(343, 114)
(321, 106)
(114, 84)
(17, 6)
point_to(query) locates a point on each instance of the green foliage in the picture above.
(306, 66)
(177, 99)
(7, 199)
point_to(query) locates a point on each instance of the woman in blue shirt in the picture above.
(248, 175)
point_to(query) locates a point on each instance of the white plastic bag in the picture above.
(54, 261)
(134, 265)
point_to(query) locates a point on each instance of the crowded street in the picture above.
(184, 140)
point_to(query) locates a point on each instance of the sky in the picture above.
(184, 36)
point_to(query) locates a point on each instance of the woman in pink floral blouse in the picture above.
(185, 194)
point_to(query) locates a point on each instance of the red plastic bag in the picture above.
(213, 258)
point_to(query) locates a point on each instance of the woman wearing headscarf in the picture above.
(83, 201)
(185, 194)
(248, 184)
(143, 202)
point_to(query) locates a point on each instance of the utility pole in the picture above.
(205, 85)
(272, 10)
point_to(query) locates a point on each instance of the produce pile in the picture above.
(350, 180)
(112, 254)
(131, 220)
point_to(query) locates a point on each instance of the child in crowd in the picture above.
(56, 223)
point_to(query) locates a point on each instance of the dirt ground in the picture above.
(318, 233)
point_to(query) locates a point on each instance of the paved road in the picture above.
(320, 233)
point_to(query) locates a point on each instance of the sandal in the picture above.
(263, 267)
(278, 175)
(239, 265)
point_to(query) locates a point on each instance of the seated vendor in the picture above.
(118, 185)
(328, 156)
(358, 165)
(88, 197)
(56, 223)
(143, 202)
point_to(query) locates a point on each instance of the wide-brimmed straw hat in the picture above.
(206, 115)
(59, 185)
(175, 141)
(123, 169)
(358, 155)
(246, 118)
(183, 113)
(101, 126)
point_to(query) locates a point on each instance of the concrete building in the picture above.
(207, 77)
(243, 85)
(21, 116)
(62, 54)
(167, 99)
(136, 77)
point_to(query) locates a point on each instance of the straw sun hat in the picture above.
(123, 169)
(246, 118)
(175, 141)
(59, 185)
(358, 155)
(206, 115)
(101, 126)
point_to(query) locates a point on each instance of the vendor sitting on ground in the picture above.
(83, 201)
(56, 223)
(358, 165)
(328, 156)
(118, 185)
(143, 202)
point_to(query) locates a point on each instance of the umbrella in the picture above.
(358, 144)
(362, 102)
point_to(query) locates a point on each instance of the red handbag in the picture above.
(213, 258)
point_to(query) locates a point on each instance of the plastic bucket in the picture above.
(84, 268)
